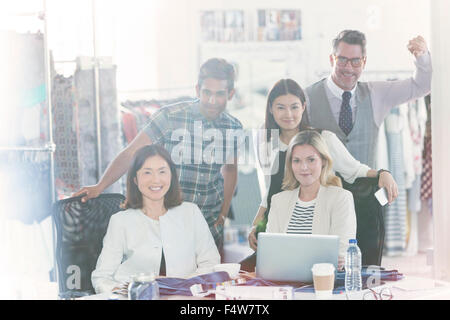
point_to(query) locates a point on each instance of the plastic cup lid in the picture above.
(323, 269)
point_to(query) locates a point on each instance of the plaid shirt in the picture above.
(198, 159)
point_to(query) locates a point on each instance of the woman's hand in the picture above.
(387, 181)
(220, 221)
(252, 241)
(341, 263)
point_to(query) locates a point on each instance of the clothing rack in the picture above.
(50, 146)
(96, 65)
(156, 90)
(97, 94)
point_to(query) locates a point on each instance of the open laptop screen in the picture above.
(290, 257)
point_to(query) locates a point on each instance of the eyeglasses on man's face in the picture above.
(355, 62)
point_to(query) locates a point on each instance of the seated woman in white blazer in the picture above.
(313, 201)
(158, 232)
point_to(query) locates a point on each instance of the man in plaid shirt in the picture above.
(202, 139)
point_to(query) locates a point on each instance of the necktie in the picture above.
(345, 117)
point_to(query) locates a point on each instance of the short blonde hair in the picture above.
(314, 139)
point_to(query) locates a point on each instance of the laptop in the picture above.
(290, 257)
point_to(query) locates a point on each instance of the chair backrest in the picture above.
(247, 198)
(80, 229)
(369, 219)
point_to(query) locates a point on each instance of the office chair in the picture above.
(369, 219)
(80, 229)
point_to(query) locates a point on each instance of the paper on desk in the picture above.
(414, 284)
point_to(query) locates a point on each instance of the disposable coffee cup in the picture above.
(323, 277)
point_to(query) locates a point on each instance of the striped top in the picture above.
(302, 217)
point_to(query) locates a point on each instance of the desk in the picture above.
(415, 288)
(409, 288)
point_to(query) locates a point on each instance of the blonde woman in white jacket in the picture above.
(313, 201)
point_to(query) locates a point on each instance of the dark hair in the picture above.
(350, 37)
(134, 197)
(281, 88)
(217, 68)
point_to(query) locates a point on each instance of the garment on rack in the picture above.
(427, 173)
(25, 177)
(75, 131)
(395, 216)
(417, 124)
(414, 207)
(136, 114)
(417, 117)
(407, 145)
(65, 124)
(426, 192)
(24, 118)
(129, 125)
(110, 131)
(382, 149)
(405, 128)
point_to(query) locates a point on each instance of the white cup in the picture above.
(323, 277)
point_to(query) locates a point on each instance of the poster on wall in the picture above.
(222, 26)
(279, 25)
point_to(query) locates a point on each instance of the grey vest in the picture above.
(362, 141)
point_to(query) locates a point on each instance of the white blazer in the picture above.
(334, 214)
(133, 244)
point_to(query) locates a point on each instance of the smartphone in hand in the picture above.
(381, 196)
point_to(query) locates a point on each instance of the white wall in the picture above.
(388, 26)
(440, 117)
(156, 43)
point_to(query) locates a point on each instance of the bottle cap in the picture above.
(352, 241)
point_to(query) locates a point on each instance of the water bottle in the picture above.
(143, 287)
(353, 280)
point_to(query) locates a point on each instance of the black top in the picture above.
(162, 268)
(276, 180)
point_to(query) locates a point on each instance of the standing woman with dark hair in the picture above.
(158, 232)
(286, 115)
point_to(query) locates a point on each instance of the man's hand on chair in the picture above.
(89, 192)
